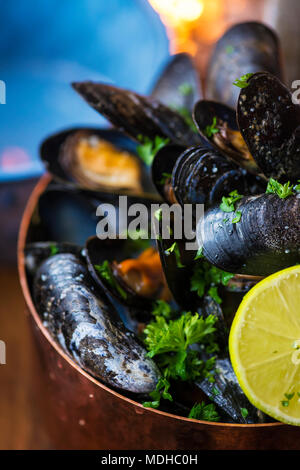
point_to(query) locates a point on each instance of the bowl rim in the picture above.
(25, 222)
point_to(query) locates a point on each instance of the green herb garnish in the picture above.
(297, 187)
(149, 148)
(161, 391)
(244, 412)
(282, 190)
(105, 272)
(228, 203)
(169, 342)
(242, 82)
(229, 49)
(204, 412)
(174, 249)
(186, 115)
(165, 177)
(285, 403)
(199, 254)
(162, 309)
(289, 396)
(53, 250)
(206, 279)
(185, 89)
(237, 217)
(212, 129)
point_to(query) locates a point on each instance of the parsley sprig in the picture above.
(168, 342)
(204, 412)
(207, 278)
(242, 82)
(228, 205)
(149, 148)
(282, 190)
(211, 129)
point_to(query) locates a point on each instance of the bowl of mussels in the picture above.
(143, 336)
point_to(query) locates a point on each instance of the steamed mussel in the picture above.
(179, 302)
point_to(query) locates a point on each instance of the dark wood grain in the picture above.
(21, 426)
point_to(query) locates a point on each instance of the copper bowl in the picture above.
(78, 412)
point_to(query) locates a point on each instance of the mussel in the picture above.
(133, 276)
(95, 159)
(264, 240)
(179, 84)
(245, 48)
(137, 115)
(202, 176)
(217, 125)
(87, 326)
(270, 124)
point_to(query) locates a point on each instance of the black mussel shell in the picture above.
(211, 307)
(227, 394)
(137, 115)
(86, 325)
(202, 176)
(67, 214)
(98, 251)
(270, 125)
(245, 48)
(265, 240)
(205, 112)
(37, 252)
(177, 262)
(162, 167)
(179, 84)
(57, 153)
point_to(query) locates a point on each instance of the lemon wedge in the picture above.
(264, 345)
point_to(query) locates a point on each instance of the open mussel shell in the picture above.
(137, 115)
(68, 214)
(270, 125)
(179, 84)
(161, 170)
(202, 176)
(227, 394)
(60, 154)
(226, 139)
(245, 48)
(265, 240)
(84, 322)
(114, 251)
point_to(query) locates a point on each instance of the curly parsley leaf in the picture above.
(282, 190)
(204, 412)
(211, 129)
(161, 391)
(53, 250)
(242, 82)
(149, 148)
(162, 309)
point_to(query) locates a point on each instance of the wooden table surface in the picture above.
(20, 424)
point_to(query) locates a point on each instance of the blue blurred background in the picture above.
(45, 45)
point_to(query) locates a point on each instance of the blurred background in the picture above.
(43, 47)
